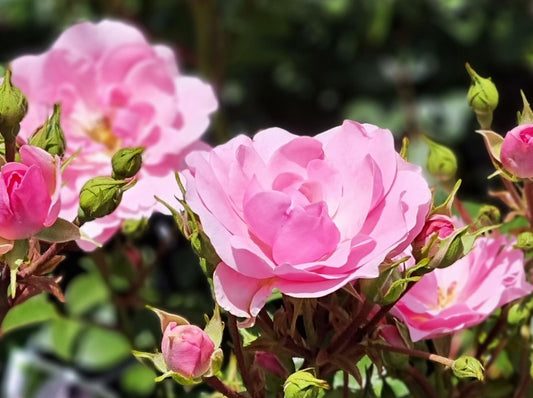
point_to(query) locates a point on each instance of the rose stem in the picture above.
(221, 387)
(416, 353)
(237, 347)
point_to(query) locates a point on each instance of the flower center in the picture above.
(101, 132)
(446, 297)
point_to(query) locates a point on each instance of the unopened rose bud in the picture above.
(488, 215)
(441, 163)
(303, 384)
(482, 97)
(517, 149)
(271, 363)
(50, 136)
(436, 228)
(127, 162)
(468, 367)
(524, 241)
(100, 196)
(13, 108)
(187, 350)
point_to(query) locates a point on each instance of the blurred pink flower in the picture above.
(464, 294)
(116, 90)
(517, 151)
(303, 215)
(187, 350)
(29, 193)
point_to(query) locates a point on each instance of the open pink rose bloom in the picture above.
(467, 292)
(303, 215)
(517, 151)
(29, 193)
(116, 90)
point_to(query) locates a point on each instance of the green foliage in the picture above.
(34, 310)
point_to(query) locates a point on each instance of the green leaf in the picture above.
(34, 310)
(63, 335)
(100, 349)
(86, 292)
(60, 231)
(137, 380)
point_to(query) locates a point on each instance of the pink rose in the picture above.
(467, 292)
(187, 350)
(303, 215)
(517, 151)
(29, 193)
(116, 90)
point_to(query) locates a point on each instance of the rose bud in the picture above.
(187, 350)
(517, 151)
(437, 224)
(13, 108)
(127, 162)
(50, 135)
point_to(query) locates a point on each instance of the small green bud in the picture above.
(13, 108)
(100, 196)
(525, 241)
(304, 384)
(466, 366)
(488, 215)
(135, 228)
(518, 314)
(441, 162)
(127, 162)
(50, 136)
(482, 97)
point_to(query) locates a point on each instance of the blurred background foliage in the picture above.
(303, 65)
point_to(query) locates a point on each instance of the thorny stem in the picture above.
(528, 193)
(416, 353)
(218, 385)
(239, 354)
(344, 338)
(345, 381)
(462, 211)
(4, 299)
(11, 148)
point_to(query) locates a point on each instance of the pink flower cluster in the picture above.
(303, 215)
(116, 90)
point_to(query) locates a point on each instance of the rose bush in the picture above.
(517, 151)
(29, 192)
(303, 215)
(464, 294)
(116, 90)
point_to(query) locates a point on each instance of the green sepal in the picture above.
(59, 232)
(526, 116)
(215, 327)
